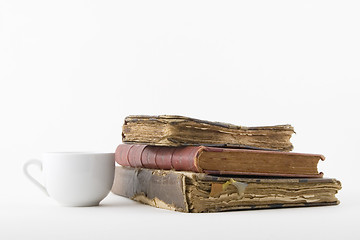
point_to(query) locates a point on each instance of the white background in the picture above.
(71, 71)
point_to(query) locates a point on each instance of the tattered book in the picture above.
(171, 130)
(199, 192)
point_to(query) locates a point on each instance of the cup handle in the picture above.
(31, 178)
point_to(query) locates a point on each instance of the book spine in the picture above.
(156, 188)
(145, 156)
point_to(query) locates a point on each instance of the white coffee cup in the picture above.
(76, 179)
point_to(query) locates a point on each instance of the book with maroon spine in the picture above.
(219, 161)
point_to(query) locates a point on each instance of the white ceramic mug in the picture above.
(75, 179)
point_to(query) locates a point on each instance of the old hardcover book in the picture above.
(167, 130)
(221, 161)
(199, 192)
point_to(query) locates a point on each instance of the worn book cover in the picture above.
(170, 130)
(199, 192)
(221, 161)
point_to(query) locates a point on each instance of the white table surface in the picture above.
(37, 217)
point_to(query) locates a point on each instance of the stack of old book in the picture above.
(190, 165)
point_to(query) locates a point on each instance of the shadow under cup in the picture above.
(78, 179)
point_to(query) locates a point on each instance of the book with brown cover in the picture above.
(221, 161)
(199, 192)
(171, 130)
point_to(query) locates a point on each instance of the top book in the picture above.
(170, 130)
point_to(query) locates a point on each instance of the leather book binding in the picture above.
(219, 161)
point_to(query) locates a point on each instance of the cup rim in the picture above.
(78, 153)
